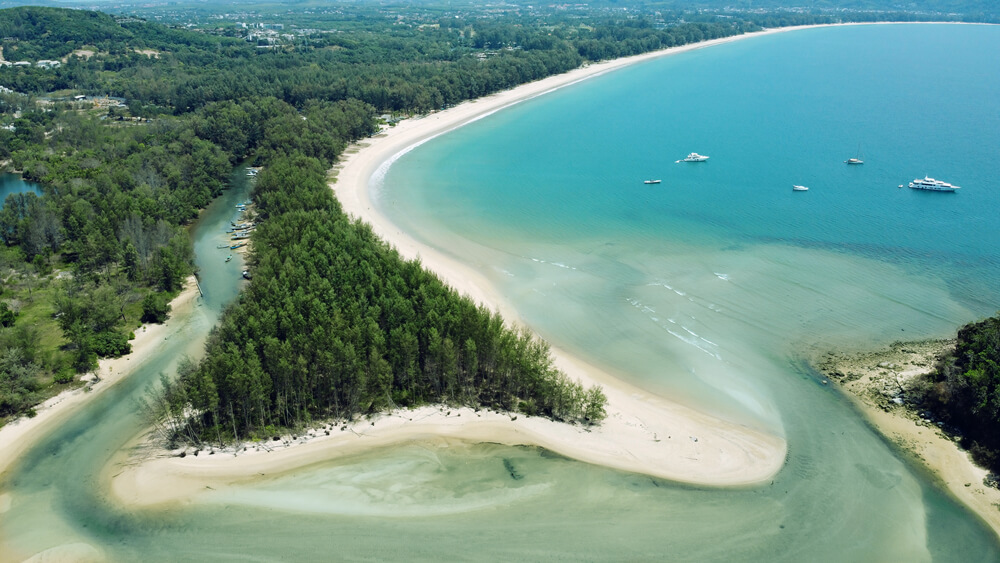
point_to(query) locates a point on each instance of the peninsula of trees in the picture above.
(336, 324)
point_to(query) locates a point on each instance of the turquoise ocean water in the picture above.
(723, 256)
(711, 287)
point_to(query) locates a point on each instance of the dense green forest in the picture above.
(392, 69)
(966, 390)
(106, 233)
(171, 107)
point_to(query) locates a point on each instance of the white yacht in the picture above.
(695, 157)
(928, 183)
(651, 181)
(800, 189)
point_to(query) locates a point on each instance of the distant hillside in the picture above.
(33, 33)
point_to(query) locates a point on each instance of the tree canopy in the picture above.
(336, 324)
(967, 390)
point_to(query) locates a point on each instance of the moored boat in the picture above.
(856, 159)
(797, 188)
(695, 157)
(930, 184)
(651, 181)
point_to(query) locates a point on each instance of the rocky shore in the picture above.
(887, 385)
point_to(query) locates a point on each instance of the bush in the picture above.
(155, 308)
(63, 376)
(111, 344)
(7, 317)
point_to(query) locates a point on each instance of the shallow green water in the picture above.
(708, 288)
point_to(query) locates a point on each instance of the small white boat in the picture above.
(798, 188)
(695, 157)
(651, 181)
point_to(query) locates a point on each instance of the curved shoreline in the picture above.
(643, 433)
(631, 411)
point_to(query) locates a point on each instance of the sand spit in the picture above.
(876, 381)
(643, 433)
(18, 435)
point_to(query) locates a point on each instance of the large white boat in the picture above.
(798, 188)
(651, 181)
(928, 183)
(695, 157)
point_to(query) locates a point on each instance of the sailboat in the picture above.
(857, 159)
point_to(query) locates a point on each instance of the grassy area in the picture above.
(32, 292)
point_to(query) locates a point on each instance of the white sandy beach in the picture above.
(643, 433)
(17, 436)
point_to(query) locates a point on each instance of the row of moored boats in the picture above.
(925, 183)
